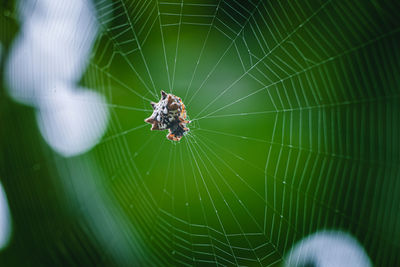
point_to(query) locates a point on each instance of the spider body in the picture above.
(169, 113)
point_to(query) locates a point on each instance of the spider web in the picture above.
(295, 125)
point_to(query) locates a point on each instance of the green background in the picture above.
(295, 128)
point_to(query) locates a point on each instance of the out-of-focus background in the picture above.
(295, 130)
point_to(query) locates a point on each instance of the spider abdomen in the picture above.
(169, 113)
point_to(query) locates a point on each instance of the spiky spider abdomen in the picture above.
(169, 113)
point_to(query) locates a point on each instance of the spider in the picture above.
(169, 113)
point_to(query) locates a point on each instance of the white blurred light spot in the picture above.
(73, 121)
(328, 249)
(45, 64)
(5, 220)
